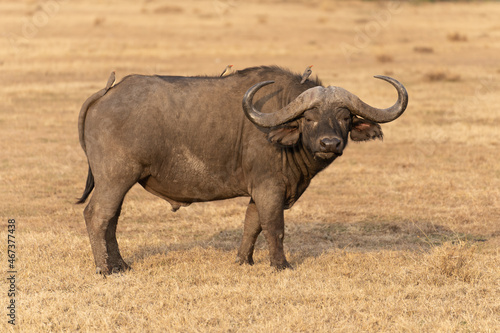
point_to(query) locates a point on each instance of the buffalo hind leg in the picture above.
(115, 259)
(251, 231)
(101, 218)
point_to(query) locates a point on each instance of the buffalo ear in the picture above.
(285, 135)
(364, 130)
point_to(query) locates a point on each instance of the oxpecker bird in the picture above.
(306, 74)
(226, 70)
(111, 80)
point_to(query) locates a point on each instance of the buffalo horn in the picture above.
(360, 108)
(307, 100)
(315, 96)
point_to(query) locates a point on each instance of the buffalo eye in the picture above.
(346, 116)
(310, 116)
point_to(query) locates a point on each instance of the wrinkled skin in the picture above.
(186, 139)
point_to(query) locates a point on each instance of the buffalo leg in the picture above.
(251, 231)
(270, 208)
(101, 218)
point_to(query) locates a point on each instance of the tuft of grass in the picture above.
(384, 58)
(262, 19)
(168, 9)
(423, 49)
(322, 19)
(456, 260)
(440, 75)
(456, 37)
(98, 21)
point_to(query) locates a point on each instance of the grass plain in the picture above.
(396, 236)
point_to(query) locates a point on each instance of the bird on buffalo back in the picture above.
(226, 70)
(306, 74)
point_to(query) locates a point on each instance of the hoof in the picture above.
(247, 261)
(117, 268)
(282, 266)
(99, 271)
(120, 268)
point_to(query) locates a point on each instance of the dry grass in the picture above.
(168, 10)
(457, 37)
(440, 75)
(423, 49)
(385, 58)
(400, 235)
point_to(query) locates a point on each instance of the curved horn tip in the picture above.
(385, 78)
(392, 81)
(398, 85)
(250, 92)
(384, 115)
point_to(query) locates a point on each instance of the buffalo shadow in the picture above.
(309, 240)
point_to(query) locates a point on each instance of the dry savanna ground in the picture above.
(396, 236)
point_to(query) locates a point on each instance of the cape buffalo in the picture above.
(257, 132)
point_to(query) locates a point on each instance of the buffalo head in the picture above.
(323, 117)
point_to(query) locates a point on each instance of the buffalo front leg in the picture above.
(269, 203)
(251, 231)
(101, 218)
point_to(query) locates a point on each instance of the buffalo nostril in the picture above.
(330, 143)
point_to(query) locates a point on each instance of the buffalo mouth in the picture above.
(326, 156)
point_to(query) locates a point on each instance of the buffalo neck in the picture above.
(300, 166)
